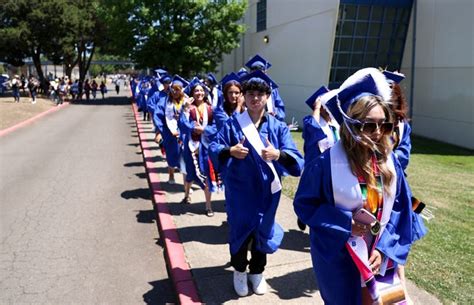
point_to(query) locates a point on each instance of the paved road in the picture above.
(76, 224)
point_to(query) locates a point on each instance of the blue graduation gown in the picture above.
(312, 134)
(403, 149)
(187, 127)
(279, 105)
(330, 227)
(170, 142)
(250, 205)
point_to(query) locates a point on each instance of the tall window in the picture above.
(261, 15)
(369, 33)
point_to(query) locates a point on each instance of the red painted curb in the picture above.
(181, 276)
(30, 120)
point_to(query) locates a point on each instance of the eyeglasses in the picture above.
(371, 127)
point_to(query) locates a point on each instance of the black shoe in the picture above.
(301, 225)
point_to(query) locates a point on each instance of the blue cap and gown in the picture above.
(250, 204)
(327, 194)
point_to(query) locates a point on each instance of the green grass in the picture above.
(442, 176)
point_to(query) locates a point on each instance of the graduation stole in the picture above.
(270, 103)
(202, 119)
(214, 97)
(348, 196)
(172, 109)
(253, 137)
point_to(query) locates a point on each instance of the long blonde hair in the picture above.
(360, 153)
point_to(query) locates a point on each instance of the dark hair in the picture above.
(228, 107)
(256, 84)
(206, 98)
(399, 103)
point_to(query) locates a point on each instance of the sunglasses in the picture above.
(371, 127)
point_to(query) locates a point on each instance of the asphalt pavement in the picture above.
(77, 224)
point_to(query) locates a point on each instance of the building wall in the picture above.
(301, 35)
(443, 94)
(302, 32)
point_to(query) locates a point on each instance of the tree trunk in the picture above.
(35, 55)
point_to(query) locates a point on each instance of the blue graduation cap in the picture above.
(230, 77)
(242, 72)
(363, 86)
(259, 76)
(178, 80)
(394, 76)
(165, 79)
(315, 95)
(212, 78)
(194, 82)
(160, 71)
(258, 62)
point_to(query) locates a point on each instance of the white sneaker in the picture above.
(259, 285)
(240, 283)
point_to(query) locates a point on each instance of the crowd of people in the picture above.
(61, 88)
(353, 194)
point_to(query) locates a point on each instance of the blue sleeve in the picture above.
(279, 105)
(398, 235)
(402, 151)
(314, 205)
(312, 134)
(287, 145)
(159, 114)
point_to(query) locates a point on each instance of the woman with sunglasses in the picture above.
(355, 198)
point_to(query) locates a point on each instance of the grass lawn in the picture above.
(442, 176)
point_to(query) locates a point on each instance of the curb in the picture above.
(31, 120)
(180, 271)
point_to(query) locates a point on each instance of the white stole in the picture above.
(194, 145)
(215, 97)
(270, 104)
(252, 135)
(348, 195)
(170, 113)
(401, 129)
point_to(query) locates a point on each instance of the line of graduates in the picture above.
(232, 136)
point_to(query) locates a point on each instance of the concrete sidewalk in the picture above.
(289, 271)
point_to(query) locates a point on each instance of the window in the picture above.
(369, 34)
(261, 15)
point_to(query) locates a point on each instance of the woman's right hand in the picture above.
(359, 229)
(239, 151)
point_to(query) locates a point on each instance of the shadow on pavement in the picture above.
(207, 234)
(140, 193)
(146, 216)
(130, 164)
(161, 293)
(108, 101)
(296, 240)
(294, 285)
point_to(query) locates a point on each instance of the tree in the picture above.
(185, 36)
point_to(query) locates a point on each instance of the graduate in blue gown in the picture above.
(158, 102)
(254, 150)
(216, 98)
(275, 105)
(199, 167)
(166, 116)
(359, 171)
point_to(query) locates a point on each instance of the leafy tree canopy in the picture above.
(185, 36)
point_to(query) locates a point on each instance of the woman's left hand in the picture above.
(375, 261)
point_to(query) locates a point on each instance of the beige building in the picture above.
(320, 42)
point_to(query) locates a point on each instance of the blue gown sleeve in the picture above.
(158, 114)
(398, 236)
(314, 205)
(279, 105)
(287, 145)
(402, 151)
(312, 134)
